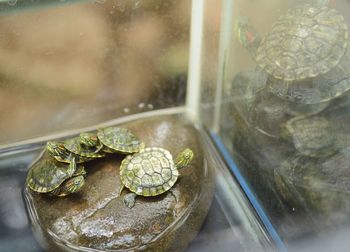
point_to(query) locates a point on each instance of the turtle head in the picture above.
(247, 35)
(88, 139)
(56, 148)
(184, 158)
(71, 185)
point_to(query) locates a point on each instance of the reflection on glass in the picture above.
(284, 111)
(78, 64)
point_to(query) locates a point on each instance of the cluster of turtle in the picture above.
(291, 112)
(145, 171)
(302, 72)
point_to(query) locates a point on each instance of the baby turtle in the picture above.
(151, 172)
(86, 145)
(263, 110)
(312, 136)
(321, 184)
(121, 140)
(60, 153)
(47, 175)
(303, 54)
(307, 41)
(320, 89)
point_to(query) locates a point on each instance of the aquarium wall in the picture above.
(100, 102)
(72, 64)
(251, 96)
(275, 103)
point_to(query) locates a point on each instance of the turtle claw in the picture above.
(129, 200)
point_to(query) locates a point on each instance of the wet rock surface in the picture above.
(96, 218)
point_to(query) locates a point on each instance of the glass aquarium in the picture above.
(154, 125)
(274, 100)
(95, 98)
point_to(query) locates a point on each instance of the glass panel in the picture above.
(72, 65)
(278, 104)
(67, 66)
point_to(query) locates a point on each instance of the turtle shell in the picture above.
(305, 42)
(150, 172)
(47, 174)
(263, 110)
(119, 140)
(320, 183)
(312, 136)
(74, 145)
(66, 156)
(322, 88)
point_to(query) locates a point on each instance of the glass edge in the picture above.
(36, 143)
(239, 203)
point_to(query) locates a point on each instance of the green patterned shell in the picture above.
(119, 140)
(63, 155)
(305, 42)
(47, 174)
(150, 172)
(312, 136)
(74, 145)
(317, 90)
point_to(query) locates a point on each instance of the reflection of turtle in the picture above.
(47, 175)
(86, 145)
(312, 91)
(120, 140)
(151, 172)
(60, 153)
(303, 54)
(263, 110)
(321, 183)
(312, 136)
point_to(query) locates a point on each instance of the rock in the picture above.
(96, 218)
(321, 185)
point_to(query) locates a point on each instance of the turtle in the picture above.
(321, 184)
(120, 140)
(151, 172)
(47, 175)
(320, 89)
(312, 136)
(261, 109)
(85, 145)
(90, 140)
(304, 54)
(58, 151)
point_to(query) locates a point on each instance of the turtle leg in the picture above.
(129, 200)
(99, 148)
(121, 189)
(72, 166)
(69, 186)
(172, 193)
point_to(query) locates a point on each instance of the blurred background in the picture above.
(71, 64)
(82, 63)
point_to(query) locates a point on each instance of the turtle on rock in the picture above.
(85, 145)
(151, 172)
(304, 54)
(58, 151)
(47, 175)
(312, 136)
(119, 140)
(263, 110)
